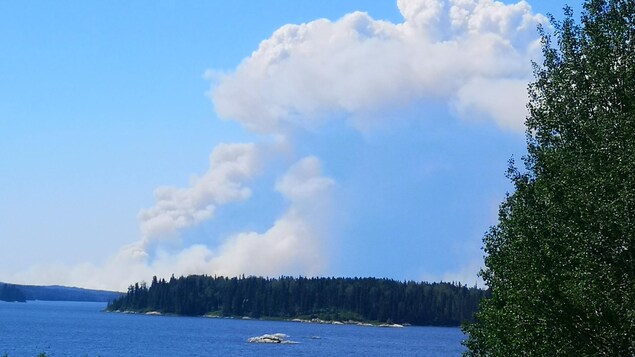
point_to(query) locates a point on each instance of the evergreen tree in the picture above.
(560, 263)
(367, 299)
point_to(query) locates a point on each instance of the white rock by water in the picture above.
(270, 338)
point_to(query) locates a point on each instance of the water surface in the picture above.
(81, 329)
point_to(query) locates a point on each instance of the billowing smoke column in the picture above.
(231, 165)
(467, 54)
(464, 52)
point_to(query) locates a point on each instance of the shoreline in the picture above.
(297, 320)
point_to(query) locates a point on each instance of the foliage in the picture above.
(560, 263)
(361, 299)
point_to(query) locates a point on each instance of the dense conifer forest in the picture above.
(343, 299)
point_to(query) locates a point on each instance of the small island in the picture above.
(381, 302)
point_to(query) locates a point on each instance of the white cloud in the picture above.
(289, 247)
(500, 99)
(292, 245)
(358, 66)
(303, 182)
(177, 208)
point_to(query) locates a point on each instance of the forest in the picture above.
(11, 293)
(334, 299)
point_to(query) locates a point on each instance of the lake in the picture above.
(81, 329)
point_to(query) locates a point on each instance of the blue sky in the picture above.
(359, 146)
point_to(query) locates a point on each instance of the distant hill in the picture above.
(11, 293)
(14, 292)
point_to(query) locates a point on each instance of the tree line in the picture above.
(11, 293)
(357, 299)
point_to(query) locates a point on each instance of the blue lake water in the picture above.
(81, 329)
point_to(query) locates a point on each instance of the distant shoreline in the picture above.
(24, 293)
(296, 319)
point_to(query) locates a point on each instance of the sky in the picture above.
(331, 138)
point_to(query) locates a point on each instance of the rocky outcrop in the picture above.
(270, 338)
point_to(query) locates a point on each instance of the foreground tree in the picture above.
(560, 263)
